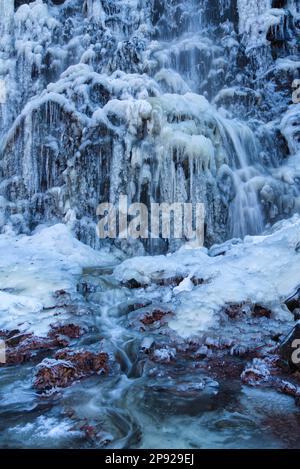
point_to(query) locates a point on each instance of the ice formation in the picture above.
(36, 266)
(245, 273)
(165, 102)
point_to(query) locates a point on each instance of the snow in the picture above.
(254, 18)
(33, 267)
(262, 269)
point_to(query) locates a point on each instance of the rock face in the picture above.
(115, 97)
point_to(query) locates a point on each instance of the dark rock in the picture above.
(296, 314)
(132, 283)
(169, 281)
(197, 281)
(136, 306)
(5, 334)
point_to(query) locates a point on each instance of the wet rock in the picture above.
(54, 374)
(287, 388)
(256, 373)
(15, 339)
(72, 331)
(223, 367)
(132, 284)
(161, 282)
(296, 314)
(164, 355)
(203, 352)
(59, 293)
(169, 281)
(276, 337)
(218, 343)
(197, 281)
(89, 430)
(222, 249)
(21, 348)
(289, 348)
(85, 361)
(147, 344)
(181, 395)
(235, 311)
(239, 350)
(293, 302)
(67, 367)
(136, 305)
(62, 297)
(241, 310)
(5, 334)
(261, 312)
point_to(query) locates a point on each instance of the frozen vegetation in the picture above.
(120, 344)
